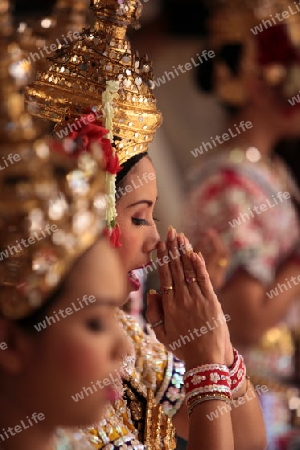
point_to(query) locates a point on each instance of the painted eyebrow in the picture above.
(149, 203)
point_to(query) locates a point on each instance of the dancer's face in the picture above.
(45, 371)
(139, 235)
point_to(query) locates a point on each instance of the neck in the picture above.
(21, 429)
(263, 135)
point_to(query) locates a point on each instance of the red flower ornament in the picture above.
(90, 131)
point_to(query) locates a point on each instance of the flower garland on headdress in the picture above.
(90, 132)
(113, 229)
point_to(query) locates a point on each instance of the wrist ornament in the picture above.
(207, 382)
(237, 372)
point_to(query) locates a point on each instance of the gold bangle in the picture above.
(204, 398)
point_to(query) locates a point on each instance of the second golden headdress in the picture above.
(52, 206)
(100, 73)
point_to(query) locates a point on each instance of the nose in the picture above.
(151, 240)
(121, 346)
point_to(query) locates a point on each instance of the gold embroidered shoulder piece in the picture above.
(152, 394)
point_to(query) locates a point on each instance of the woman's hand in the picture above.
(187, 316)
(216, 256)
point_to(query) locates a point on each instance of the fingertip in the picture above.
(171, 236)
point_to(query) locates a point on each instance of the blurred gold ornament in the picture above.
(238, 22)
(40, 38)
(78, 77)
(51, 205)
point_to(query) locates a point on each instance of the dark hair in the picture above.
(231, 56)
(127, 167)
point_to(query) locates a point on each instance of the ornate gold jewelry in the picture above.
(77, 77)
(156, 324)
(190, 279)
(223, 262)
(166, 289)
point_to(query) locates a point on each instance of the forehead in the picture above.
(99, 273)
(139, 183)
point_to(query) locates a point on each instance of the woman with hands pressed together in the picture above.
(188, 302)
(116, 90)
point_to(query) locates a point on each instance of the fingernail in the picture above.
(188, 245)
(181, 240)
(171, 233)
(152, 292)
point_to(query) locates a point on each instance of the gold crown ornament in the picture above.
(40, 38)
(100, 73)
(269, 33)
(52, 202)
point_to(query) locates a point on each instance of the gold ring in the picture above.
(156, 324)
(166, 289)
(190, 280)
(223, 262)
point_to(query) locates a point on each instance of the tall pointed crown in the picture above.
(78, 75)
(51, 205)
(255, 25)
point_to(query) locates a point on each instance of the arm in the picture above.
(244, 296)
(182, 311)
(246, 410)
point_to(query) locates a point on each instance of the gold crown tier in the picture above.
(231, 22)
(77, 78)
(51, 206)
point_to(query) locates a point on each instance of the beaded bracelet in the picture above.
(207, 379)
(237, 372)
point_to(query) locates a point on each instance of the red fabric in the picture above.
(276, 47)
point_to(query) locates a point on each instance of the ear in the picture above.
(15, 347)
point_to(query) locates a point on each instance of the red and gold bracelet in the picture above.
(237, 372)
(207, 382)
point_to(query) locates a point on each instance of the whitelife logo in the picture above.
(242, 127)
(244, 217)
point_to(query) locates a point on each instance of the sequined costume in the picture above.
(227, 193)
(152, 394)
(153, 381)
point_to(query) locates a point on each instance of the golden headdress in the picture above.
(100, 72)
(260, 26)
(40, 38)
(51, 205)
